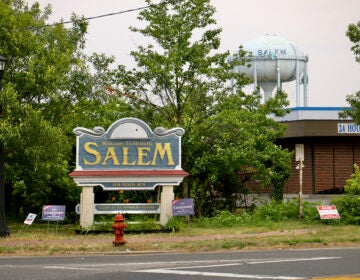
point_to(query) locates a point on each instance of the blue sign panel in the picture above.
(183, 207)
(131, 185)
(128, 154)
(53, 212)
(128, 144)
(124, 208)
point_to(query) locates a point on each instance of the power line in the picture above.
(95, 17)
(99, 16)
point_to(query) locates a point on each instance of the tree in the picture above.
(37, 149)
(178, 79)
(50, 87)
(249, 130)
(183, 80)
(353, 33)
(176, 74)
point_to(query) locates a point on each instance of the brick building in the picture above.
(331, 147)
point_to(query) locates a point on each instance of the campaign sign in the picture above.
(30, 219)
(328, 212)
(183, 207)
(53, 212)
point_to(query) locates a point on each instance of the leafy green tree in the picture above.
(353, 33)
(176, 75)
(349, 205)
(242, 138)
(50, 87)
(179, 76)
(183, 80)
(37, 150)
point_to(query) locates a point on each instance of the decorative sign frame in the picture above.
(128, 156)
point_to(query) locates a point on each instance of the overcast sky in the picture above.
(317, 27)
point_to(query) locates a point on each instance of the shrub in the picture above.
(224, 219)
(348, 207)
(310, 212)
(277, 212)
(176, 223)
(352, 185)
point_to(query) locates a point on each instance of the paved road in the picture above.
(280, 264)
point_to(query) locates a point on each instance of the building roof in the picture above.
(318, 122)
(313, 113)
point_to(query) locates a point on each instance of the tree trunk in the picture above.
(4, 230)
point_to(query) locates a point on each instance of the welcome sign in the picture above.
(129, 144)
(128, 156)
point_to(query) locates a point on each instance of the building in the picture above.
(331, 148)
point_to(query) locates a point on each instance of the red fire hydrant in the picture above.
(119, 227)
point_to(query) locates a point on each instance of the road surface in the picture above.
(275, 264)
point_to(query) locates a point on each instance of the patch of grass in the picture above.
(7, 250)
(39, 240)
(237, 244)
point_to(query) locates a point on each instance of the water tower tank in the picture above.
(274, 60)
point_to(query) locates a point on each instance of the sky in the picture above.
(317, 27)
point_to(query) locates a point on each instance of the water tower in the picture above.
(274, 60)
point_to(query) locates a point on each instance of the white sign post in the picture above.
(299, 156)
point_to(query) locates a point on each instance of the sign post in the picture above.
(127, 156)
(299, 156)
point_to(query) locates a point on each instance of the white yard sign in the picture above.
(328, 212)
(30, 219)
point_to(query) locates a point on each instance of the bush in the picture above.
(176, 223)
(352, 185)
(267, 213)
(224, 219)
(348, 207)
(310, 212)
(287, 211)
(277, 212)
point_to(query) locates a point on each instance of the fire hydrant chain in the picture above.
(119, 227)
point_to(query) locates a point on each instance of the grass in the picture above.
(44, 239)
